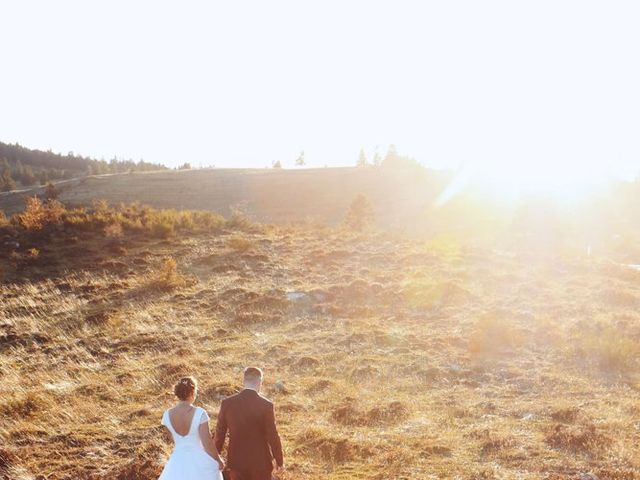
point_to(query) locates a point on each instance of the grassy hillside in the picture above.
(404, 200)
(403, 360)
(270, 195)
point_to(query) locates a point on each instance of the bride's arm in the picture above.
(167, 434)
(207, 443)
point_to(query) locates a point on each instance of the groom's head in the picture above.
(252, 378)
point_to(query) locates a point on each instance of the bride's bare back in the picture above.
(181, 417)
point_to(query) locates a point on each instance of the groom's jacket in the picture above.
(253, 438)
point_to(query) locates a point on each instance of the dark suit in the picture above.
(253, 438)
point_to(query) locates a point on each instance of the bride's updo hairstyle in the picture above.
(185, 388)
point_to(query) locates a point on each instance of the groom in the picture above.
(253, 438)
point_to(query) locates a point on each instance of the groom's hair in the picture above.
(252, 374)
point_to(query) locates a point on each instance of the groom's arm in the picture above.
(221, 428)
(272, 436)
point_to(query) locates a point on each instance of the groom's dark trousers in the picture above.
(253, 438)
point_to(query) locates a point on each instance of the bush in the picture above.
(240, 244)
(162, 229)
(53, 212)
(167, 277)
(239, 220)
(114, 221)
(33, 216)
(37, 214)
(360, 214)
(206, 220)
(609, 349)
(100, 207)
(50, 192)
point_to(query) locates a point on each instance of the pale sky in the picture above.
(515, 84)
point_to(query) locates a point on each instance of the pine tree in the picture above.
(376, 159)
(394, 160)
(7, 182)
(362, 159)
(276, 164)
(300, 160)
(18, 171)
(28, 178)
(392, 157)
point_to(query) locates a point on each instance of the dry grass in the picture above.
(403, 360)
(240, 243)
(609, 348)
(167, 276)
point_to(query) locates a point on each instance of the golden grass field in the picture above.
(406, 359)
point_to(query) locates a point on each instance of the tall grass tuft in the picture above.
(168, 277)
(240, 244)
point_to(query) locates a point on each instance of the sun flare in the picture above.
(569, 181)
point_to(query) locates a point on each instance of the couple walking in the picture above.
(247, 417)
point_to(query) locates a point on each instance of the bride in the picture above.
(194, 456)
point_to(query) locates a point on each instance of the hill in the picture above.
(267, 195)
(24, 167)
(386, 357)
(403, 200)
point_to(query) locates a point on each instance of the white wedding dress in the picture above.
(189, 460)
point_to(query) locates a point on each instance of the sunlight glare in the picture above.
(569, 181)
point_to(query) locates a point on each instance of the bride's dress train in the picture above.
(189, 460)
